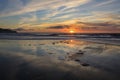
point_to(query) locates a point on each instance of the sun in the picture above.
(71, 31)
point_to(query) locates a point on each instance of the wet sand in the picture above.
(58, 60)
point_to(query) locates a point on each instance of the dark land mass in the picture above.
(7, 31)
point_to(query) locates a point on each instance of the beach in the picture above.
(58, 60)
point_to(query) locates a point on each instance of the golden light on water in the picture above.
(71, 40)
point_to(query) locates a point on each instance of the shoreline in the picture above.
(110, 41)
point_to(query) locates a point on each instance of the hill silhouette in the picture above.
(7, 31)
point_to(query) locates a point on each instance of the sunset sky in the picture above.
(84, 16)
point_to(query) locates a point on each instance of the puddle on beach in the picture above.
(58, 60)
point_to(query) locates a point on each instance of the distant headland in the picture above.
(7, 31)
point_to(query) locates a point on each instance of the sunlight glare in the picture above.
(71, 31)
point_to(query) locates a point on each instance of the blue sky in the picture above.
(39, 14)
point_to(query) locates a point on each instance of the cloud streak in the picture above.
(107, 2)
(28, 19)
(16, 7)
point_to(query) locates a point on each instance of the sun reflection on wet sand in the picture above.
(58, 59)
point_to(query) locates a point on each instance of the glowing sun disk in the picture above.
(71, 31)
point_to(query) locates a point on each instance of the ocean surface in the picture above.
(63, 57)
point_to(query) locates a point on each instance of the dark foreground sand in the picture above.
(30, 67)
(58, 60)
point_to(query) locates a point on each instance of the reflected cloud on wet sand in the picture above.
(58, 60)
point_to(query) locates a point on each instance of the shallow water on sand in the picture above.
(58, 60)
